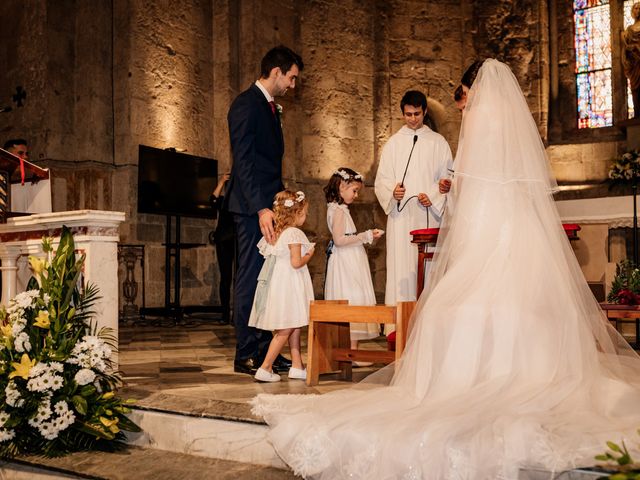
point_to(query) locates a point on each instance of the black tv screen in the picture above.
(171, 183)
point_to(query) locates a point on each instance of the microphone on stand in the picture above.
(415, 139)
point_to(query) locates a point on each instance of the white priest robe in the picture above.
(430, 160)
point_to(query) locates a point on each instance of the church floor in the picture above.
(188, 368)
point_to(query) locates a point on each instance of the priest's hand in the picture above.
(266, 225)
(398, 192)
(444, 185)
(424, 200)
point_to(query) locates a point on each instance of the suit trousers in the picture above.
(250, 342)
(225, 253)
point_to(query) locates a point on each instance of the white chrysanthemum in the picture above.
(36, 385)
(57, 382)
(91, 352)
(6, 434)
(13, 397)
(84, 376)
(38, 369)
(24, 300)
(4, 416)
(61, 407)
(22, 343)
(43, 377)
(56, 366)
(46, 298)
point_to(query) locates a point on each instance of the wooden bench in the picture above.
(618, 314)
(329, 340)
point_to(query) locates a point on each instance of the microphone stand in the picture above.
(415, 140)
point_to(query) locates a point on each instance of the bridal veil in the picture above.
(510, 362)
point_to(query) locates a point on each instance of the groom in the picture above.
(257, 146)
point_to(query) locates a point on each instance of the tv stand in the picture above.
(173, 309)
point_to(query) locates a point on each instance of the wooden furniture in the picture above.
(14, 170)
(423, 238)
(571, 229)
(329, 340)
(428, 237)
(618, 314)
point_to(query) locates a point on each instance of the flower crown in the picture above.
(289, 203)
(346, 177)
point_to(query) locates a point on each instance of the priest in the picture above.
(413, 161)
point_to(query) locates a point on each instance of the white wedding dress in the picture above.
(510, 362)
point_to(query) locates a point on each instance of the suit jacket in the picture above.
(257, 146)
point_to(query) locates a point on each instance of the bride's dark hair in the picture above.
(471, 73)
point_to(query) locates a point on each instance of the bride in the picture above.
(510, 362)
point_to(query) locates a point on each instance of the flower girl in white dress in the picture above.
(348, 276)
(281, 302)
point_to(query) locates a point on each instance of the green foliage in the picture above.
(57, 387)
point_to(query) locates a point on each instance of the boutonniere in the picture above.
(279, 109)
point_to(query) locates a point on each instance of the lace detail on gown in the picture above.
(309, 454)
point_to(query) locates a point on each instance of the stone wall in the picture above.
(104, 77)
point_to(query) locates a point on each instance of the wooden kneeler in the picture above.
(329, 340)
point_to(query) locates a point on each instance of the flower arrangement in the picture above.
(626, 168)
(57, 392)
(625, 288)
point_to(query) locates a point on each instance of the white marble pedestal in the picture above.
(95, 234)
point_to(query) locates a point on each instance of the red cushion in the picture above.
(571, 226)
(425, 231)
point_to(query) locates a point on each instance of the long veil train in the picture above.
(510, 362)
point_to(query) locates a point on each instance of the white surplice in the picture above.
(430, 160)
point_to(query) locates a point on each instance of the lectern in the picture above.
(14, 170)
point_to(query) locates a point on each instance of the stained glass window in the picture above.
(628, 21)
(593, 63)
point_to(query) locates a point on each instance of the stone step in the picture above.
(234, 435)
(138, 463)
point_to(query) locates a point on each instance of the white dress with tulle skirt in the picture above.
(289, 291)
(348, 273)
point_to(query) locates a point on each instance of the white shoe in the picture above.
(263, 376)
(297, 373)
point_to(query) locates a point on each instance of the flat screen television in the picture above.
(172, 183)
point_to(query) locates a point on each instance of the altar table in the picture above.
(426, 237)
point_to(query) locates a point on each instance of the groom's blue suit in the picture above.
(256, 176)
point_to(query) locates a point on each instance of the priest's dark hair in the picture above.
(13, 142)
(471, 73)
(282, 57)
(342, 174)
(415, 99)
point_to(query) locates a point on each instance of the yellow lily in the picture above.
(6, 331)
(42, 320)
(37, 264)
(112, 425)
(23, 368)
(108, 395)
